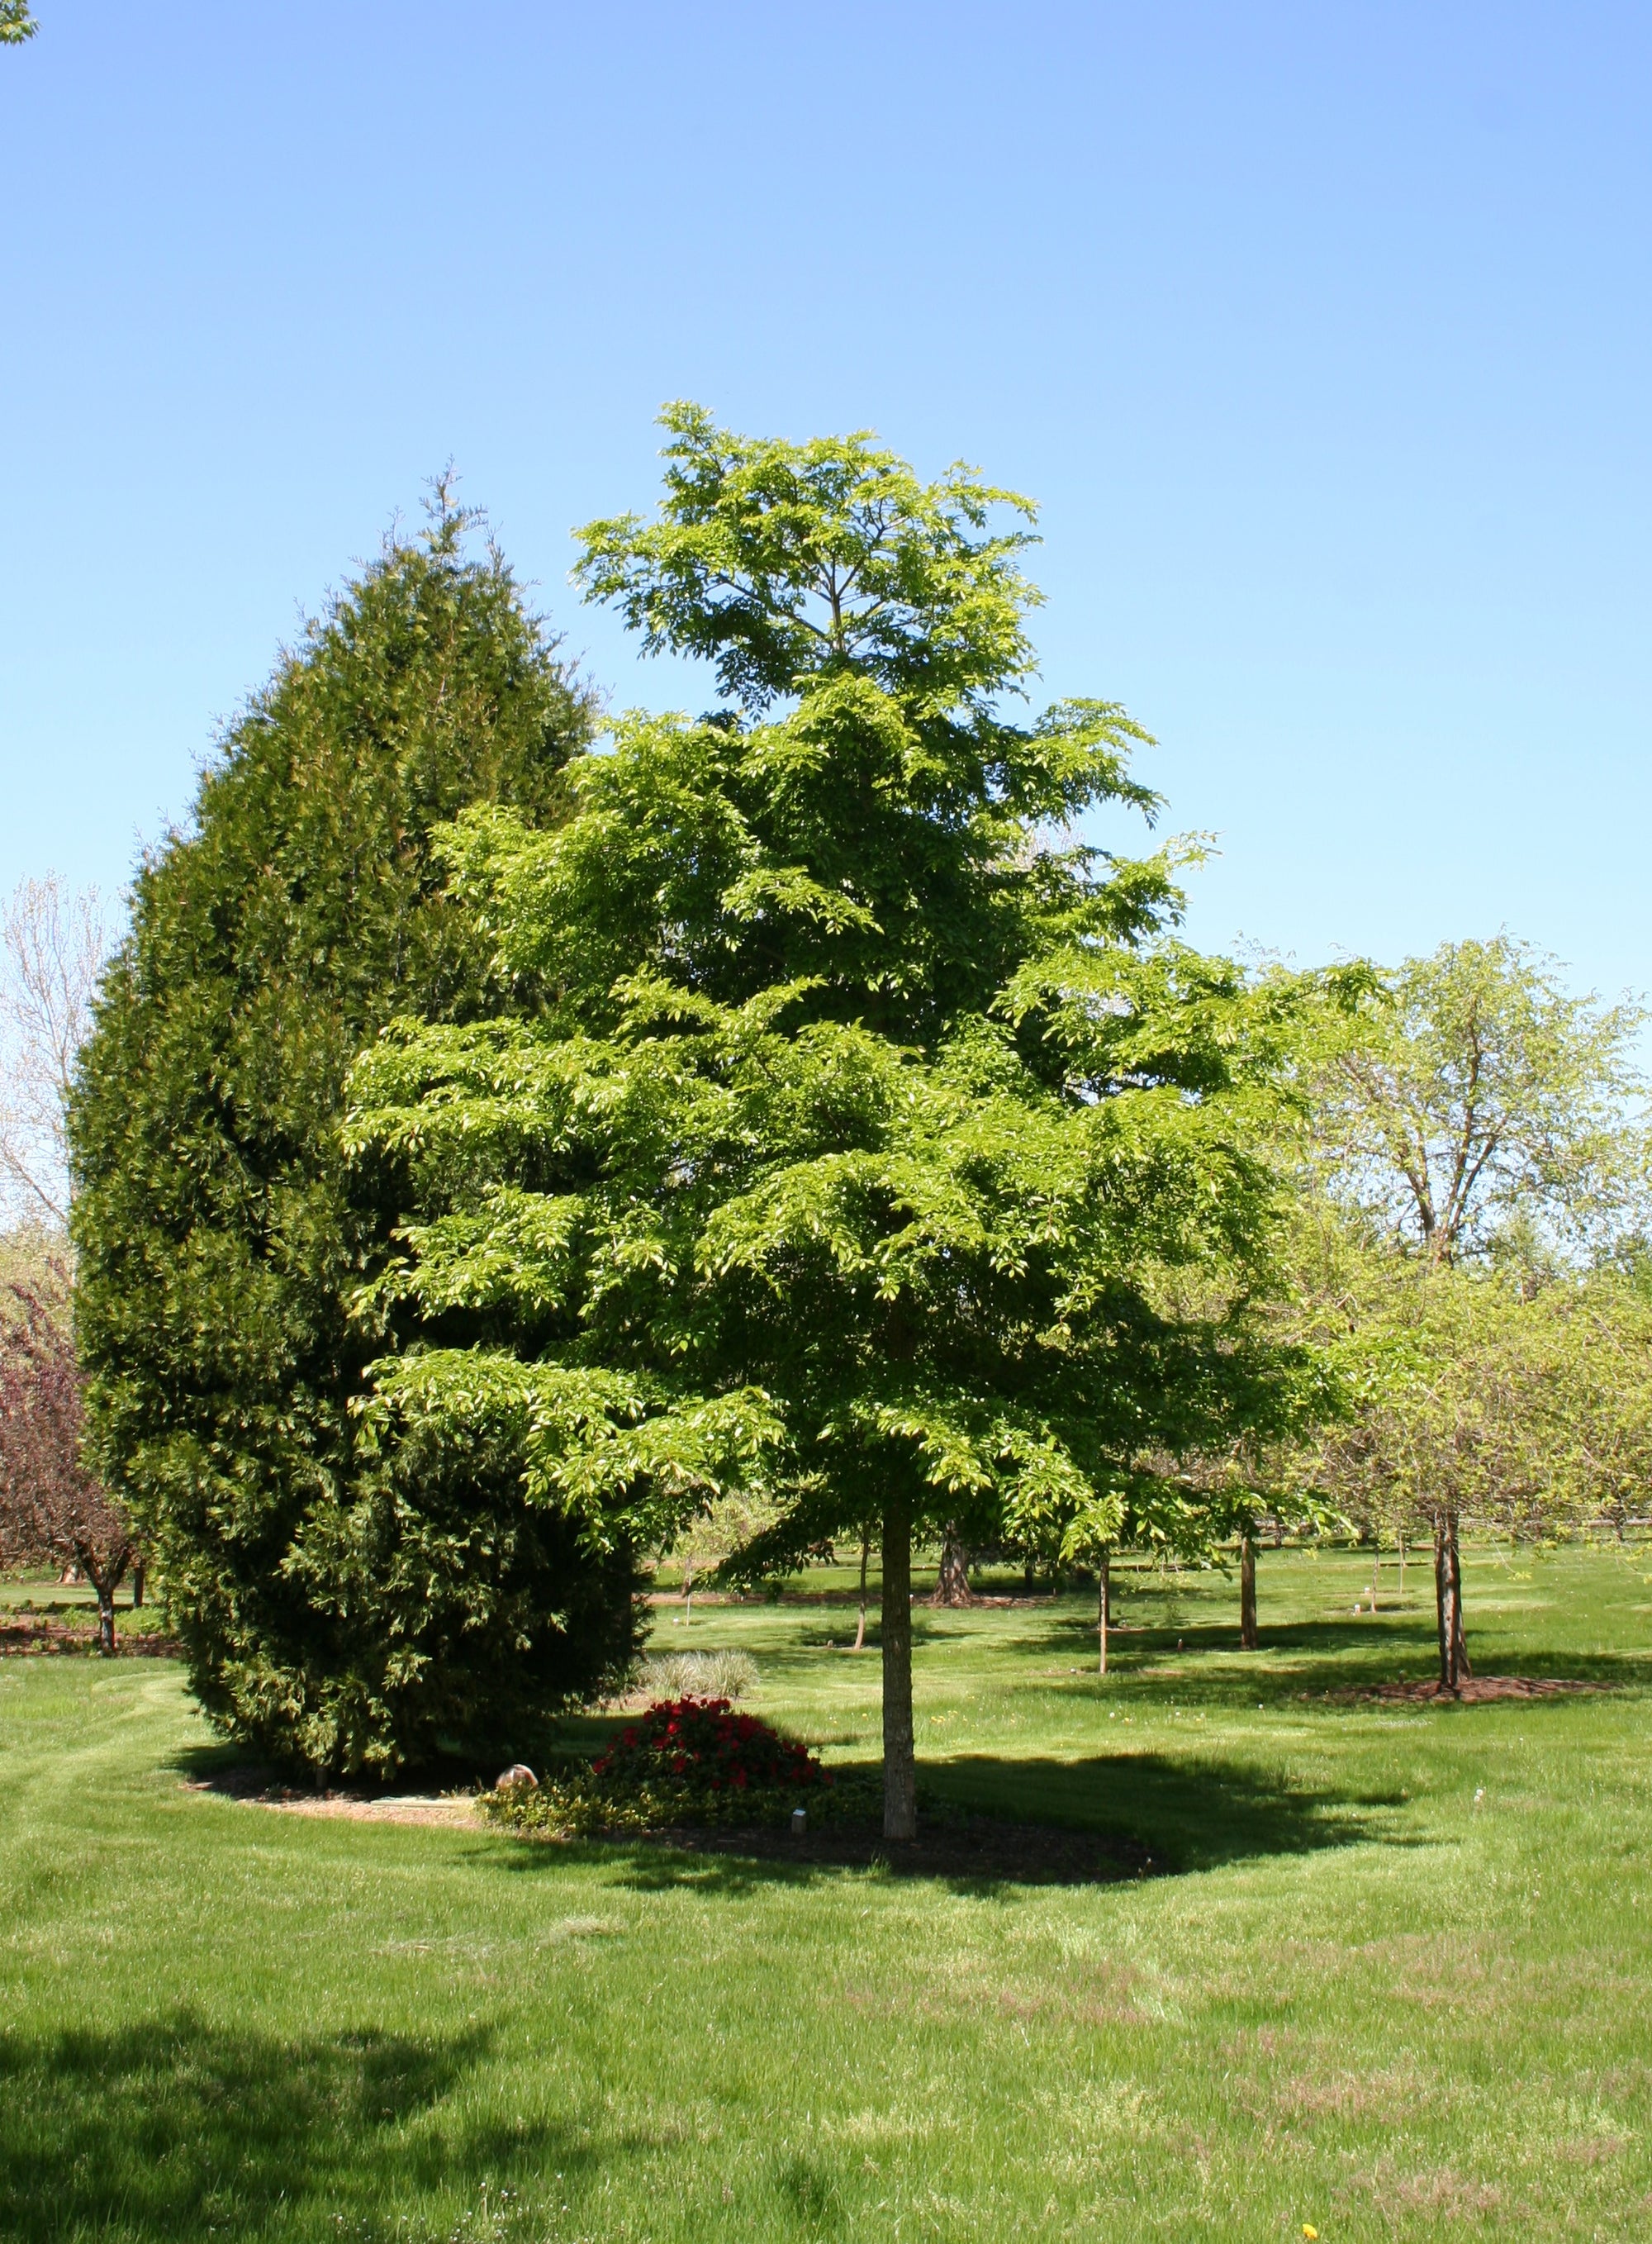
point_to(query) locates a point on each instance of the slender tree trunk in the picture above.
(1448, 1602)
(860, 1625)
(1401, 1541)
(1104, 1600)
(138, 1585)
(106, 1577)
(688, 1595)
(900, 1773)
(1461, 1669)
(952, 1584)
(1247, 1590)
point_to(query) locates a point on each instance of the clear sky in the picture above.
(1321, 332)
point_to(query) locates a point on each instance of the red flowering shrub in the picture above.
(686, 1760)
(702, 1745)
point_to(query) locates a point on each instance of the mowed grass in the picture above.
(1393, 1982)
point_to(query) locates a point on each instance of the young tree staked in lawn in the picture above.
(1476, 1117)
(52, 1506)
(343, 1606)
(855, 1121)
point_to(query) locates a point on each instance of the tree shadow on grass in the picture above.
(1189, 1813)
(1337, 1658)
(174, 2129)
(995, 1825)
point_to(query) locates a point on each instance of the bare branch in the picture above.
(53, 946)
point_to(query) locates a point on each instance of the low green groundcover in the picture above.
(685, 1762)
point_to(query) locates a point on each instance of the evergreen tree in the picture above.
(351, 1607)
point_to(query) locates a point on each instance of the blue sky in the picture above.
(1322, 334)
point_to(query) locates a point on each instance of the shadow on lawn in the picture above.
(175, 2129)
(1336, 1657)
(996, 1825)
(1189, 1814)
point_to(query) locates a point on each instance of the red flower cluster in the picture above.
(704, 1744)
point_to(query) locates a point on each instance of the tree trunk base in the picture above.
(952, 1585)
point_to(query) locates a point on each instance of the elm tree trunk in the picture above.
(899, 1775)
(1247, 1591)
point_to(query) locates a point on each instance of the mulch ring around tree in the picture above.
(34, 1633)
(947, 1846)
(1475, 1690)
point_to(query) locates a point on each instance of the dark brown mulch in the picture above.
(969, 1847)
(1477, 1690)
(35, 1636)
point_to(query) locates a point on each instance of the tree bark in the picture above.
(1103, 1601)
(899, 1773)
(105, 1576)
(1247, 1590)
(138, 1585)
(952, 1585)
(1454, 1669)
(860, 1625)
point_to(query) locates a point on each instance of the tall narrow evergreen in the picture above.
(347, 1607)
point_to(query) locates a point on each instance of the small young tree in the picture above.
(52, 1507)
(854, 1139)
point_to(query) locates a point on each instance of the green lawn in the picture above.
(1396, 1984)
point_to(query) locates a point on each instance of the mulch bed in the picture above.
(1476, 1690)
(259, 1788)
(947, 1846)
(34, 1636)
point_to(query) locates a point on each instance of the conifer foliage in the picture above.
(347, 1605)
(861, 1139)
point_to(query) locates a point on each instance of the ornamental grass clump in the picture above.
(685, 1761)
(698, 1674)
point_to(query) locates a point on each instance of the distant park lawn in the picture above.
(1396, 1980)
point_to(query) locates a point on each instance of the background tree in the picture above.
(1473, 1123)
(1471, 1092)
(856, 1139)
(52, 1507)
(53, 944)
(351, 1603)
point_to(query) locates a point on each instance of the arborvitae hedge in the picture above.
(345, 1610)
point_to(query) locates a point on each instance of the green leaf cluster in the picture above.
(860, 1130)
